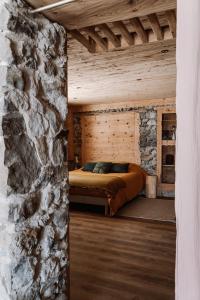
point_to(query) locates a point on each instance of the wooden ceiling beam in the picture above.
(81, 39)
(110, 35)
(124, 32)
(139, 29)
(96, 37)
(99, 35)
(171, 18)
(155, 25)
(92, 45)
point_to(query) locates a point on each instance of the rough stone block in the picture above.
(3, 75)
(6, 55)
(4, 16)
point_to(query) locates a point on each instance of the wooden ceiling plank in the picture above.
(134, 72)
(124, 32)
(81, 39)
(139, 29)
(110, 35)
(81, 14)
(171, 18)
(96, 37)
(155, 25)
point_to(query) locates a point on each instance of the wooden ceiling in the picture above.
(84, 13)
(132, 45)
(140, 72)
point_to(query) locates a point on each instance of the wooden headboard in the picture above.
(111, 137)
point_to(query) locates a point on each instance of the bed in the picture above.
(111, 190)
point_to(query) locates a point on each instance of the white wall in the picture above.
(188, 151)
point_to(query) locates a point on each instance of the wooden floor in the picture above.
(120, 259)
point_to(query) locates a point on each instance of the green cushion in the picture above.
(119, 168)
(89, 167)
(102, 167)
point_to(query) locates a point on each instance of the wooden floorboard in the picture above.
(120, 259)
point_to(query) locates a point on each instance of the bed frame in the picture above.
(83, 199)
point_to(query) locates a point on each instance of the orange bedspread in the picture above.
(118, 187)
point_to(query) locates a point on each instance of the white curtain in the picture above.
(188, 151)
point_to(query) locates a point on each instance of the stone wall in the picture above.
(148, 139)
(148, 133)
(33, 184)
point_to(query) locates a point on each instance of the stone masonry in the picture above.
(33, 184)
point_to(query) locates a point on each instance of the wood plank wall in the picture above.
(111, 137)
(102, 113)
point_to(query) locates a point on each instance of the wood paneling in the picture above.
(110, 137)
(115, 258)
(86, 13)
(141, 72)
